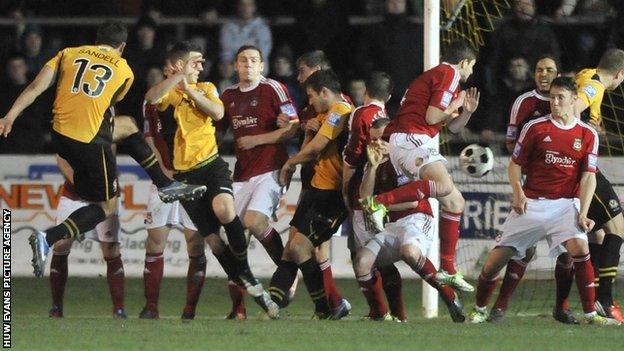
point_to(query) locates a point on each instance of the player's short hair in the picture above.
(380, 122)
(612, 61)
(323, 78)
(544, 57)
(249, 47)
(457, 51)
(112, 33)
(379, 85)
(180, 50)
(567, 83)
(314, 58)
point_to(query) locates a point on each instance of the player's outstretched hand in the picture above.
(247, 142)
(286, 174)
(471, 102)
(585, 223)
(519, 203)
(456, 104)
(5, 126)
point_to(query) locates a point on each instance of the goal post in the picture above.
(432, 58)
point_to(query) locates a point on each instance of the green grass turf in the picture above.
(88, 324)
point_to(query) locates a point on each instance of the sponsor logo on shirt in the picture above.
(577, 144)
(240, 121)
(446, 98)
(333, 119)
(552, 159)
(289, 110)
(590, 91)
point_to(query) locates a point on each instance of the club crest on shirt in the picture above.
(613, 203)
(577, 144)
(254, 102)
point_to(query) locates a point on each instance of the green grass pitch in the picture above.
(88, 324)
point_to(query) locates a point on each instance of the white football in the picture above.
(476, 160)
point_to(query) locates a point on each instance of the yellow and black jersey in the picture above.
(328, 165)
(195, 140)
(590, 91)
(90, 79)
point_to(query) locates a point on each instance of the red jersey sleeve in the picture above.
(524, 146)
(151, 120)
(520, 112)
(444, 87)
(590, 161)
(358, 134)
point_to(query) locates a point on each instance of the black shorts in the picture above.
(94, 165)
(319, 214)
(605, 203)
(216, 176)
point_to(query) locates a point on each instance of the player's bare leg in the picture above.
(258, 225)
(223, 207)
(497, 259)
(513, 274)
(413, 257)
(115, 277)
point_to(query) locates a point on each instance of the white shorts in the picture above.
(361, 236)
(553, 220)
(415, 229)
(410, 152)
(160, 214)
(107, 231)
(260, 193)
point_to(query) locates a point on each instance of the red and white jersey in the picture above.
(152, 127)
(436, 87)
(527, 106)
(387, 179)
(555, 156)
(254, 112)
(354, 154)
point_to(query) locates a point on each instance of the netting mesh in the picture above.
(488, 199)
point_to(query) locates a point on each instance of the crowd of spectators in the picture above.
(390, 39)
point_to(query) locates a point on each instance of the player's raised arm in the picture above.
(158, 91)
(43, 81)
(280, 135)
(469, 106)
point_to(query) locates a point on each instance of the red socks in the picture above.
(237, 294)
(333, 295)
(513, 275)
(195, 277)
(584, 274)
(152, 275)
(413, 191)
(370, 285)
(428, 272)
(393, 287)
(485, 287)
(115, 276)
(564, 276)
(449, 235)
(273, 245)
(58, 278)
